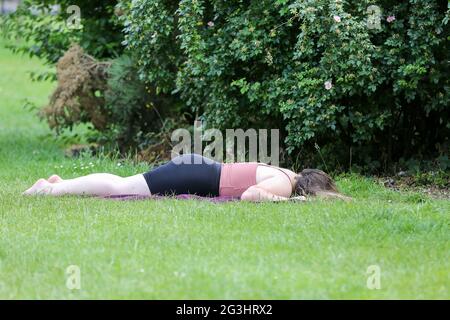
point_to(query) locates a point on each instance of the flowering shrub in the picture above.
(363, 80)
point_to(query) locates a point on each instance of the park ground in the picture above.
(183, 249)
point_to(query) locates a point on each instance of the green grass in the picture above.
(199, 250)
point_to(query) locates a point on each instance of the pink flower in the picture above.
(328, 85)
(211, 24)
(390, 19)
(337, 18)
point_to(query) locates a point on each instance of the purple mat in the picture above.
(178, 197)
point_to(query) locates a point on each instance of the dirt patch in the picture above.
(434, 185)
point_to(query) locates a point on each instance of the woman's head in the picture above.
(313, 182)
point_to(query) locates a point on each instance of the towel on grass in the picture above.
(179, 197)
(190, 197)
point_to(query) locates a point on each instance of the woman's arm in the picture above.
(273, 189)
(255, 193)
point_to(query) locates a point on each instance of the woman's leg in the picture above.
(97, 184)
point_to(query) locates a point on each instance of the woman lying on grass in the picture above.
(197, 175)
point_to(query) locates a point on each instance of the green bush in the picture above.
(367, 91)
(97, 84)
(122, 112)
(136, 115)
(48, 35)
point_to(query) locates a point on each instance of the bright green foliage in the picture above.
(337, 73)
(151, 26)
(50, 35)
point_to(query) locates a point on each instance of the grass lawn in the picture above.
(174, 249)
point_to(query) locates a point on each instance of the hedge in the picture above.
(367, 81)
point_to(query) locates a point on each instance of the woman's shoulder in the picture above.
(276, 168)
(271, 171)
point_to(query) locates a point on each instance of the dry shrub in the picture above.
(79, 96)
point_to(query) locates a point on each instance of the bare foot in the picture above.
(41, 186)
(55, 179)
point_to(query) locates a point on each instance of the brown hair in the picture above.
(314, 182)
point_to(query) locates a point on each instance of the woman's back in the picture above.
(236, 178)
